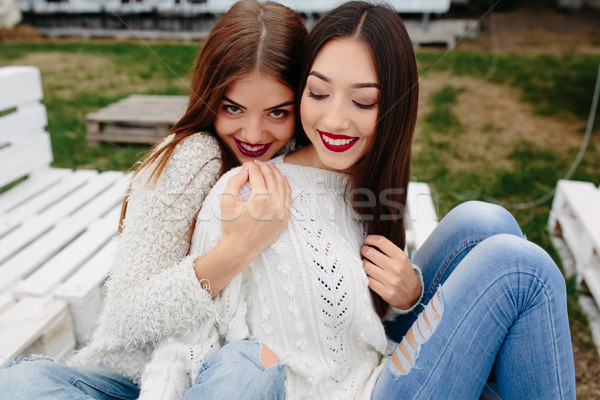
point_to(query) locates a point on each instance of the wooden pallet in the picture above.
(56, 230)
(575, 220)
(136, 119)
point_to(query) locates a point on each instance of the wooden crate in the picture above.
(54, 224)
(575, 220)
(136, 119)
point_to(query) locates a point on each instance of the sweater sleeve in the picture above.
(153, 292)
(229, 303)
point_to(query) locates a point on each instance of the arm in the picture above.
(391, 274)
(152, 283)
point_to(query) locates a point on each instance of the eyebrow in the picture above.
(354, 85)
(284, 104)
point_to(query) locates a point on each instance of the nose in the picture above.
(334, 117)
(253, 131)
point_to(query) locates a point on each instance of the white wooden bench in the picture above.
(56, 227)
(575, 220)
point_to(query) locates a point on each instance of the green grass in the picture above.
(158, 68)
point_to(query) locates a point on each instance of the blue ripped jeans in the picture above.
(501, 308)
(42, 378)
(234, 372)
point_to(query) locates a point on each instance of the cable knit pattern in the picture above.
(152, 291)
(306, 296)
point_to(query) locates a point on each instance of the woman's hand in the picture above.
(248, 226)
(254, 224)
(390, 272)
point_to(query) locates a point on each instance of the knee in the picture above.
(243, 362)
(527, 258)
(490, 219)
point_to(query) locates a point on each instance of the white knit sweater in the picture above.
(153, 292)
(306, 297)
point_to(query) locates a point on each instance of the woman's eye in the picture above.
(316, 96)
(364, 106)
(279, 114)
(231, 109)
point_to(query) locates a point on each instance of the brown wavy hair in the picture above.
(385, 168)
(251, 36)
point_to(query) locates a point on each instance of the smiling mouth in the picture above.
(337, 143)
(252, 150)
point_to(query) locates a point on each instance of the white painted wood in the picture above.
(421, 215)
(37, 182)
(84, 293)
(29, 117)
(57, 340)
(96, 197)
(29, 208)
(19, 159)
(37, 225)
(70, 258)
(575, 220)
(20, 85)
(26, 321)
(6, 301)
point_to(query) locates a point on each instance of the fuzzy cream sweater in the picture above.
(306, 297)
(152, 291)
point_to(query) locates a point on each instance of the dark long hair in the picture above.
(251, 36)
(385, 168)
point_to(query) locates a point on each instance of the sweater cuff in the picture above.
(394, 312)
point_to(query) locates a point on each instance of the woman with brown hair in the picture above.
(307, 296)
(241, 109)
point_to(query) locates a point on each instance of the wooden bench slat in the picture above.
(28, 117)
(90, 275)
(64, 263)
(20, 85)
(31, 208)
(421, 216)
(26, 321)
(37, 225)
(84, 293)
(97, 201)
(20, 158)
(37, 182)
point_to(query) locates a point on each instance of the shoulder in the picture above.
(197, 154)
(198, 147)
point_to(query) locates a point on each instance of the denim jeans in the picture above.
(42, 378)
(236, 372)
(501, 307)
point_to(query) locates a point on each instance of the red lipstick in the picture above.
(243, 148)
(328, 140)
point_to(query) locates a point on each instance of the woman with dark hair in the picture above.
(307, 296)
(241, 108)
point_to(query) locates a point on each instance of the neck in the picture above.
(307, 157)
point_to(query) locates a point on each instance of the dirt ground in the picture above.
(536, 29)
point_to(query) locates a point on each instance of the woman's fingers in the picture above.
(231, 193)
(373, 271)
(257, 179)
(385, 245)
(375, 256)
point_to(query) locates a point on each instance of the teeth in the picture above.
(337, 142)
(252, 148)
